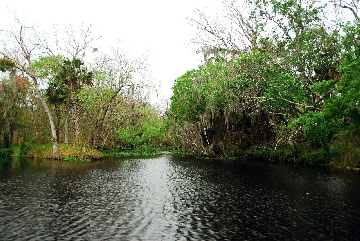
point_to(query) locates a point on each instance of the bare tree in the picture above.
(351, 5)
(70, 41)
(237, 31)
(78, 40)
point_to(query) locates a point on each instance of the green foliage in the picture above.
(7, 64)
(65, 77)
(48, 67)
(69, 152)
(147, 132)
(340, 110)
(221, 85)
(6, 152)
(186, 101)
(74, 74)
(94, 98)
(23, 149)
(128, 136)
(295, 93)
(6, 141)
(303, 77)
(224, 102)
(322, 87)
(321, 156)
(318, 127)
(14, 95)
(73, 152)
(133, 153)
(72, 159)
(348, 93)
(40, 151)
(346, 149)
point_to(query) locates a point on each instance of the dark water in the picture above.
(173, 198)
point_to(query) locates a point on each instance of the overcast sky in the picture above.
(156, 28)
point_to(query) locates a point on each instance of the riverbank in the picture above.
(72, 152)
(346, 157)
(339, 155)
(133, 153)
(67, 152)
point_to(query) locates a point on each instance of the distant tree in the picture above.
(142, 132)
(238, 31)
(14, 90)
(116, 79)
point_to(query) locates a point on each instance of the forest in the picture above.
(279, 81)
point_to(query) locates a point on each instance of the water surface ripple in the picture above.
(176, 198)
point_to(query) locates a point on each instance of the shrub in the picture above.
(23, 149)
(6, 152)
(77, 152)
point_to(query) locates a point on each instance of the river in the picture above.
(176, 198)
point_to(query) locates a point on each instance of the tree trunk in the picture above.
(98, 141)
(54, 136)
(66, 126)
(76, 117)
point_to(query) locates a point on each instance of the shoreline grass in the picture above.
(348, 158)
(66, 152)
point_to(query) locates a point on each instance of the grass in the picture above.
(131, 153)
(72, 159)
(68, 152)
(77, 152)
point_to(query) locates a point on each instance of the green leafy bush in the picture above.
(147, 133)
(5, 152)
(24, 148)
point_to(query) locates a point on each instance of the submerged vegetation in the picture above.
(279, 81)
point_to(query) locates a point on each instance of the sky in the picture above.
(158, 29)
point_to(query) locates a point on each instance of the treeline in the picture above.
(279, 81)
(59, 99)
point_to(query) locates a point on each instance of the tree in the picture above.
(66, 79)
(144, 132)
(350, 5)
(6, 65)
(13, 91)
(341, 111)
(236, 102)
(24, 45)
(117, 77)
(228, 106)
(238, 31)
(73, 76)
